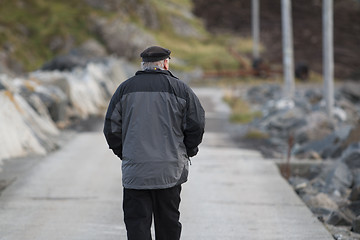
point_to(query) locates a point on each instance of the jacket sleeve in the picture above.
(195, 124)
(113, 126)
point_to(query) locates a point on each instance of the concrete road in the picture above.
(76, 193)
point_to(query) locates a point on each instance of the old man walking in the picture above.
(154, 123)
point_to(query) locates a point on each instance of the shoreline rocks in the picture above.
(333, 192)
(35, 108)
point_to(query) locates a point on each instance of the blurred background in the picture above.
(61, 60)
(200, 33)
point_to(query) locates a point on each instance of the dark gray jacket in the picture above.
(154, 123)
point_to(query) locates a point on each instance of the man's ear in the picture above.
(166, 64)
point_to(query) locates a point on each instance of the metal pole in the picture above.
(255, 28)
(328, 56)
(288, 56)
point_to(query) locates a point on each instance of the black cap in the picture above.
(154, 54)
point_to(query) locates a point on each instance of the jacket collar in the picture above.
(156, 71)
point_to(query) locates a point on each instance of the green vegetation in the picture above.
(204, 53)
(29, 27)
(256, 135)
(206, 50)
(241, 111)
(35, 31)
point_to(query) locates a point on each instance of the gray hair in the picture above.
(152, 65)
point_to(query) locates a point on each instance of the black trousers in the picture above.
(140, 205)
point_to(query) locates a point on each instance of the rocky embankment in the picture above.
(331, 189)
(34, 109)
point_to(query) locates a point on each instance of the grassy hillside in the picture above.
(34, 31)
(30, 29)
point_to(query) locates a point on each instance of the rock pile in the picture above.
(333, 192)
(33, 109)
(305, 119)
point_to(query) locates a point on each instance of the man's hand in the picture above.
(118, 152)
(192, 152)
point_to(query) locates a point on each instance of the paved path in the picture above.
(75, 193)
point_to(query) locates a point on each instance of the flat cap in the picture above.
(154, 54)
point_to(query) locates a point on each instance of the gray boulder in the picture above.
(262, 94)
(320, 201)
(351, 156)
(89, 51)
(314, 96)
(282, 122)
(121, 38)
(334, 180)
(356, 176)
(64, 63)
(350, 109)
(355, 207)
(337, 177)
(355, 194)
(356, 225)
(318, 126)
(54, 91)
(353, 137)
(55, 100)
(342, 233)
(338, 218)
(88, 89)
(312, 188)
(25, 123)
(298, 183)
(355, 190)
(351, 91)
(328, 147)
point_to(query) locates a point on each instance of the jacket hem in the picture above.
(127, 186)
